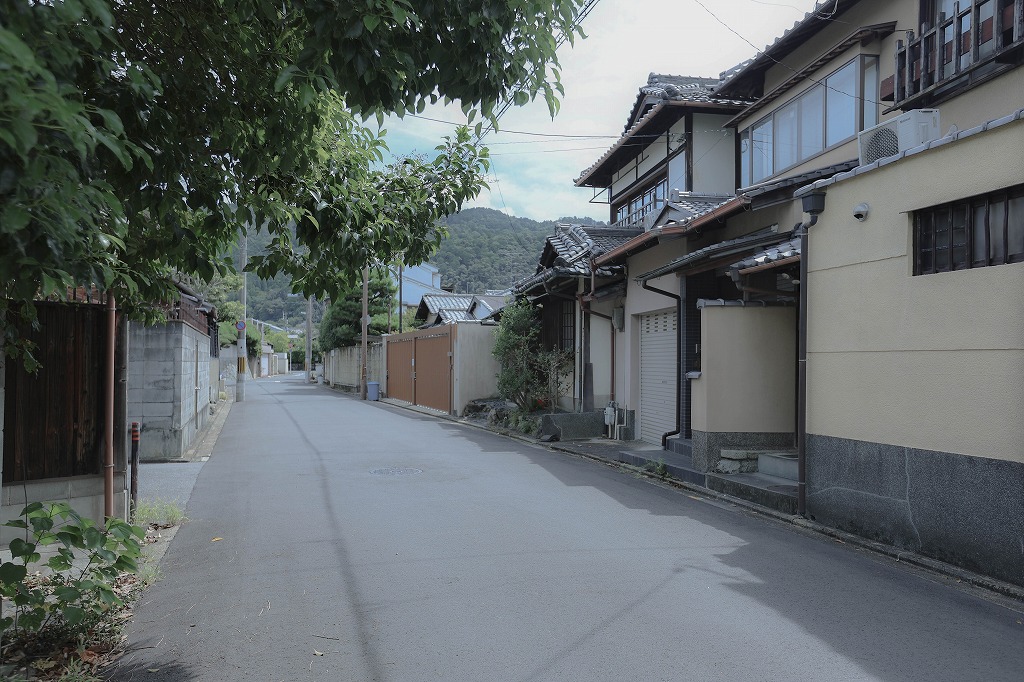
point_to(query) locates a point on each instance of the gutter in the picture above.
(679, 356)
(108, 408)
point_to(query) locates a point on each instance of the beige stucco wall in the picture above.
(601, 353)
(713, 145)
(933, 362)
(986, 102)
(475, 373)
(748, 370)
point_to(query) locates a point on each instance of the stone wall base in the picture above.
(963, 510)
(708, 445)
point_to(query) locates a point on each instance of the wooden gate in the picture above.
(420, 367)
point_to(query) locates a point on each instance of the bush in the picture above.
(80, 588)
(528, 376)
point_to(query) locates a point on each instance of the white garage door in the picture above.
(658, 380)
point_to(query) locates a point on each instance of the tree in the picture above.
(528, 374)
(138, 138)
(342, 324)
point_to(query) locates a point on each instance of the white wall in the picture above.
(714, 157)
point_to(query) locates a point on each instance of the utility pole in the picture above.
(366, 324)
(240, 378)
(309, 340)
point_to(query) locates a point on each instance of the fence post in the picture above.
(135, 469)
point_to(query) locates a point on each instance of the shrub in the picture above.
(81, 585)
(528, 376)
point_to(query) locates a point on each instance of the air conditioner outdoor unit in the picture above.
(898, 134)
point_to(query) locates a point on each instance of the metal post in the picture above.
(366, 324)
(242, 353)
(309, 340)
(108, 431)
(401, 301)
(135, 469)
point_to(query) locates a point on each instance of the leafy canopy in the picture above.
(342, 323)
(137, 138)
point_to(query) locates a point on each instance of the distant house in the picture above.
(443, 308)
(417, 281)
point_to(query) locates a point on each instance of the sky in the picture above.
(532, 175)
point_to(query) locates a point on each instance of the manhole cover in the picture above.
(396, 471)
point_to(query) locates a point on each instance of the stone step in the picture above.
(781, 464)
(768, 491)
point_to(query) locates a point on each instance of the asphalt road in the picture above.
(333, 539)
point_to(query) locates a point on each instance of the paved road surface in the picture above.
(332, 539)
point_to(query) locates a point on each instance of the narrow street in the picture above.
(334, 539)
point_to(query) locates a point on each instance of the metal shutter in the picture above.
(658, 380)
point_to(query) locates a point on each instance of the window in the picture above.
(636, 208)
(567, 337)
(971, 233)
(827, 114)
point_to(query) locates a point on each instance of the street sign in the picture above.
(240, 325)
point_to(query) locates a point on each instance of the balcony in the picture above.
(966, 47)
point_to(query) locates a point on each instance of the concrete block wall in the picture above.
(83, 493)
(169, 384)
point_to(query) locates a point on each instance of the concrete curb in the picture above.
(960, 575)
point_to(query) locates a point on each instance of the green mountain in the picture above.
(488, 249)
(485, 249)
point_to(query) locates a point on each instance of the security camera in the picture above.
(860, 212)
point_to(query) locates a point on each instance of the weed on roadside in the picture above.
(158, 513)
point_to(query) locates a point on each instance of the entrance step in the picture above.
(782, 464)
(769, 491)
(673, 464)
(683, 446)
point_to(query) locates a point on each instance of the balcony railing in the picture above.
(636, 218)
(978, 32)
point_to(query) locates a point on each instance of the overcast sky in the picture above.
(532, 176)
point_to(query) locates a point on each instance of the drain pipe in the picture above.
(679, 357)
(813, 205)
(108, 430)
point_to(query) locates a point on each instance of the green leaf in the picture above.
(12, 573)
(371, 22)
(286, 75)
(73, 614)
(21, 549)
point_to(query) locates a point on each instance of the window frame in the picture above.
(638, 205)
(941, 220)
(746, 148)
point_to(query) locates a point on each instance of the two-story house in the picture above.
(882, 332)
(673, 164)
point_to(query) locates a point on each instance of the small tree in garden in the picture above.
(528, 374)
(554, 366)
(515, 346)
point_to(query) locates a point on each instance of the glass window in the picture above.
(787, 133)
(841, 105)
(812, 121)
(976, 232)
(761, 150)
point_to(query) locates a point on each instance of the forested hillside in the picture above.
(487, 249)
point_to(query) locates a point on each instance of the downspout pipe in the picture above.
(108, 430)
(585, 306)
(813, 205)
(679, 358)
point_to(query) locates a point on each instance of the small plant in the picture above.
(158, 513)
(80, 587)
(657, 468)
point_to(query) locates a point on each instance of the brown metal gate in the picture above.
(420, 367)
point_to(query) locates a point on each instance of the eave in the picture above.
(658, 234)
(863, 35)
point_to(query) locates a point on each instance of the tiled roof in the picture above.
(753, 240)
(438, 302)
(953, 136)
(661, 91)
(799, 179)
(448, 316)
(795, 35)
(567, 253)
(768, 256)
(685, 207)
